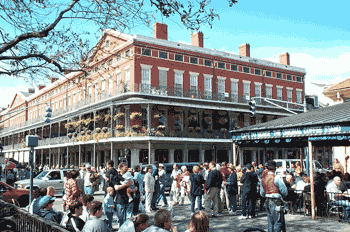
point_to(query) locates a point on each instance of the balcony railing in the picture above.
(157, 91)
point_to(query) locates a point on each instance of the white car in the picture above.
(53, 177)
(282, 165)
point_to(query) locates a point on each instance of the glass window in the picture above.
(246, 69)
(107, 44)
(110, 84)
(279, 93)
(178, 84)
(163, 55)
(146, 79)
(258, 93)
(179, 57)
(178, 120)
(127, 78)
(193, 85)
(221, 88)
(257, 71)
(299, 79)
(234, 91)
(103, 86)
(146, 52)
(110, 62)
(289, 95)
(268, 92)
(103, 66)
(289, 77)
(119, 81)
(127, 53)
(193, 60)
(207, 87)
(207, 62)
(279, 75)
(299, 97)
(119, 57)
(234, 67)
(246, 90)
(221, 65)
(144, 117)
(268, 73)
(162, 119)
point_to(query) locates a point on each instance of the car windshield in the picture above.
(41, 175)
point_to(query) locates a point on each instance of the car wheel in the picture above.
(23, 201)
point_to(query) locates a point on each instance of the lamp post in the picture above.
(1, 148)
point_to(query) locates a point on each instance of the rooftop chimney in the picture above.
(53, 79)
(31, 90)
(41, 86)
(244, 50)
(160, 31)
(284, 58)
(197, 39)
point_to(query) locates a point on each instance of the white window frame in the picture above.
(279, 92)
(246, 91)
(208, 86)
(119, 81)
(74, 95)
(298, 96)
(179, 80)
(127, 77)
(289, 94)
(110, 84)
(268, 90)
(146, 75)
(103, 84)
(257, 91)
(194, 83)
(221, 87)
(96, 91)
(234, 89)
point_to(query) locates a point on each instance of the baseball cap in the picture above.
(161, 165)
(88, 166)
(46, 199)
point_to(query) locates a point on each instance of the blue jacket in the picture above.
(197, 182)
(94, 224)
(51, 215)
(232, 187)
(214, 179)
(250, 181)
(108, 203)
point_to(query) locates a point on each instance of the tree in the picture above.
(41, 38)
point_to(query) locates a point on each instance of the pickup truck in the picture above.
(52, 177)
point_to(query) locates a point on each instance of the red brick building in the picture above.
(153, 99)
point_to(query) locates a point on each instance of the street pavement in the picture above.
(227, 222)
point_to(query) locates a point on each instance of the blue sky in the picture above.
(315, 33)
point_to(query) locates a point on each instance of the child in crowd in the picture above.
(129, 178)
(108, 205)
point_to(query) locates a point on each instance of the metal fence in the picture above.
(26, 222)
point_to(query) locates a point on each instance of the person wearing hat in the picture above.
(162, 174)
(249, 188)
(47, 211)
(273, 189)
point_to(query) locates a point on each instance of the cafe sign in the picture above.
(293, 132)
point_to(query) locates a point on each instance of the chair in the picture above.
(331, 208)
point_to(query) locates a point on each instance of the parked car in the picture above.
(52, 177)
(282, 166)
(168, 167)
(19, 197)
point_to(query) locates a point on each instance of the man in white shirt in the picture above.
(175, 191)
(336, 195)
(88, 187)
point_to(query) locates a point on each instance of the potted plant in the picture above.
(119, 116)
(135, 114)
(157, 116)
(97, 118)
(107, 116)
(98, 130)
(104, 129)
(119, 127)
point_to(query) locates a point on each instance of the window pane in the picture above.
(268, 74)
(221, 65)
(193, 60)
(234, 67)
(257, 72)
(178, 57)
(163, 55)
(207, 62)
(289, 77)
(279, 76)
(146, 52)
(246, 70)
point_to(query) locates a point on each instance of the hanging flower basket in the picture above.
(88, 132)
(135, 114)
(136, 127)
(198, 129)
(223, 130)
(104, 129)
(161, 127)
(157, 116)
(97, 118)
(119, 127)
(87, 121)
(70, 135)
(158, 133)
(98, 130)
(82, 132)
(107, 116)
(119, 116)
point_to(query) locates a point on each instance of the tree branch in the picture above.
(38, 34)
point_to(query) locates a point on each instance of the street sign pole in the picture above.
(31, 173)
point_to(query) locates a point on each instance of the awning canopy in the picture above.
(327, 124)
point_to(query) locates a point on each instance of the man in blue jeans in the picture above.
(155, 174)
(124, 208)
(161, 196)
(88, 187)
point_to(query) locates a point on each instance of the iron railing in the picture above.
(27, 222)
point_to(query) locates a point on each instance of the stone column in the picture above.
(149, 152)
(111, 124)
(148, 117)
(67, 157)
(59, 157)
(93, 157)
(113, 155)
(42, 157)
(59, 129)
(230, 154)
(171, 153)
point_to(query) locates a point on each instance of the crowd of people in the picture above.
(210, 189)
